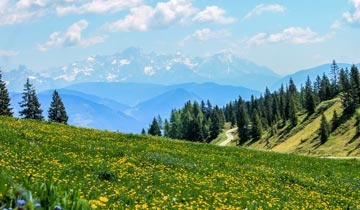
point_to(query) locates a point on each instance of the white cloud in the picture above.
(137, 20)
(21, 11)
(261, 8)
(144, 18)
(295, 35)
(7, 53)
(25, 4)
(72, 37)
(213, 14)
(353, 16)
(207, 34)
(258, 39)
(166, 14)
(97, 6)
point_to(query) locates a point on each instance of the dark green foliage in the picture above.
(334, 72)
(57, 112)
(154, 129)
(175, 125)
(256, 129)
(216, 122)
(335, 121)
(324, 130)
(195, 122)
(143, 132)
(30, 103)
(309, 97)
(325, 88)
(166, 128)
(355, 85)
(5, 109)
(242, 122)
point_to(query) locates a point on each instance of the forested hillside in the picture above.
(329, 104)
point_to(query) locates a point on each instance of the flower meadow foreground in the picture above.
(48, 165)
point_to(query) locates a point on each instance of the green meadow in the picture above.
(110, 170)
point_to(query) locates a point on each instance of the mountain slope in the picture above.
(304, 138)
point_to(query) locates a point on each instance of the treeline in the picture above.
(270, 111)
(194, 122)
(30, 105)
(277, 109)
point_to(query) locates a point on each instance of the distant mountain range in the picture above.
(129, 107)
(124, 91)
(134, 65)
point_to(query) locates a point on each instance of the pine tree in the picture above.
(347, 99)
(143, 132)
(256, 129)
(154, 129)
(5, 109)
(309, 97)
(166, 128)
(325, 88)
(242, 122)
(31, 107)
(334, 71)
(57, 112)
(216, 123)
(282, 103)
(355, 85)
(324, 130)
(335, 121)
(176, 129)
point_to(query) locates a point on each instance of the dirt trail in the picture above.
(229, 137)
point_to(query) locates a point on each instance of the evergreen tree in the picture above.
(335, 121)
(57, 112)
(256, 128)
(166, 128)
(282, 103)
(309, 97)
(5, 109)
(216, 123)
(31, 107)
(154, 129)
(176, 129)
(143, 132)
(324, 130)
(242, 122)
(347, 99)
(334, 71)
(355, 85)
(325, 88)
(268, 105)
(292, 112)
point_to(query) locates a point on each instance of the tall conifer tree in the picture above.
(5, 109)
(57, 112)
(31, 107)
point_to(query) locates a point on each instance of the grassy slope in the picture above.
(304, 138)
(145, 172)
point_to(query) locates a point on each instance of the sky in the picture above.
(284, 35)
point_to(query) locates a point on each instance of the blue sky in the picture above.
(284, 35)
